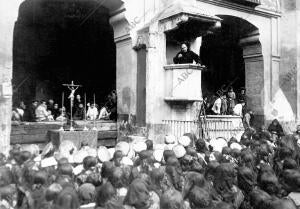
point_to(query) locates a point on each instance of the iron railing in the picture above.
(213, 127)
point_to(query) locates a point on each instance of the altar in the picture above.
(79, 138)
(40, 133)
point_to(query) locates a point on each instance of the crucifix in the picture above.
(72, 87)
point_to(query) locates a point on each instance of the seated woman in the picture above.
(276, 128)
(104, 114)
(186, 55)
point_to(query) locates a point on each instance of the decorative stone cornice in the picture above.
(255, 11)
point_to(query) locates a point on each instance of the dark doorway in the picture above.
(57, 41)
(223, 55)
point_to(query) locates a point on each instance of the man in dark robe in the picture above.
(55, 111)
(79, 113)
(31, 111)
(186, 55)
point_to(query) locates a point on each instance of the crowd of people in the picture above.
(51, 111)
(226, 103)
(258, 171)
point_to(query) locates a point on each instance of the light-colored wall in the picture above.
(8, 16)
(289, 48)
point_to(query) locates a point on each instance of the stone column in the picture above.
(8, 16)
(275, 57)
(297, 31)
(254, 73)
(126, 65)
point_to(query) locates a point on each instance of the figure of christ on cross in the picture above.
(72, 87)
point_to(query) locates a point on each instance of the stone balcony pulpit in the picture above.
(183, 83)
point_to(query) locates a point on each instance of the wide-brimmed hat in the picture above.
(32, 148)
(79, 156)
(123, 147)
(184, 141)
(47, 162)
(103, 154)
(91, 151)
(170, 139)
(179, 151)
(236, 146)
(126, 161)
(218, 144)
(139, 146)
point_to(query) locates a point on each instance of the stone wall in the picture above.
(8, 16)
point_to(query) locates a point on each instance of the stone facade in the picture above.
(271, 54)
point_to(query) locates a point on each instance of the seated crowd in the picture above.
(50, 111)
(256, 171)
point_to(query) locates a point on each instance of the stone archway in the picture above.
(8, 16)
(235, 55)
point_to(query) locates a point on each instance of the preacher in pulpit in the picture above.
(186, 55)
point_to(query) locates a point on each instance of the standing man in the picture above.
(247, 119)
(217, 106)
(186, 55)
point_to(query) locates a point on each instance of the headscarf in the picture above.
(107, 168)
(116, 177)
(269, 183)
(224, 205)
(201, 146)
(282, 204)
(259, 199)
(87, 193)
(52, 191)
(291, 180)
(106, 197)
(118, 155)
(171, 199)
(6, 176)
(193, 179)
(175, 177)
(89, 162)
(149, 144)
(224, 181)
(289, 164)
(200, 198)
(246, 179)
(211, 170)
(275, 127)
(167, 154)
(138, 195)
(157, 176)
(67, 199)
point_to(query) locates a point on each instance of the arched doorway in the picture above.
(233, 55)
(56, 42)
